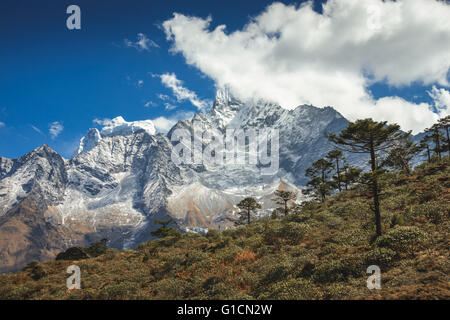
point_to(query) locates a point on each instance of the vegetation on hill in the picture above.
(319, 251)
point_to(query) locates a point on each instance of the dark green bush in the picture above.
(381, 257)
(277, 272)
(294, 231)
(433, 211)
(339, 270)
(292, 289)
(403, 239)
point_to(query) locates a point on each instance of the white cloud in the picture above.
(102, 122)
(181, 93)
(55, 129)
(441, 99)
(163, 124)
(142, 44)
(2, 124)
(37, 129)
(140, 83)
(150, 104)
(163, 97)
(169, 106)
(293, 55)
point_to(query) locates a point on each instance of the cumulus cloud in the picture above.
(181, 93)
(55, 129)
(441, 99)
(142, 44)
(164, 124)
(293, 55)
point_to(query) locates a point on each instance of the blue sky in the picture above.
(51, 74)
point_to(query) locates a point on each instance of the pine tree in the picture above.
(444, 123)
(164, 231)
(320, 168)
(319, 188)
(401, 154)
(319, 174)
(370, 137)
(437, 137)
(336, 156)
(350, 175)
(425, 145)
(283, 198)
(98, 248)
(248, 205)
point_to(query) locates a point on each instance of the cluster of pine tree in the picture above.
(330, 174)
(435, 140)
(386, 146)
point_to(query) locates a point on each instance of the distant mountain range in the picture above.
(123, 177)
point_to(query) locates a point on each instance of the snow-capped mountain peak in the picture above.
(123, 177)
(115, 127)
(118, 126)
(89, 141)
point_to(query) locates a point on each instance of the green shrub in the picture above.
(330, 248)
(98, 248)
(119, 291)
(397, 220)
(16, 293)
(380, 256)
(36, 270)
(353, 209)
(277, 272)
(291, 289)
(403, 239)
(172, 289)
(339, 270)
(435, 212)
(109, 254)
(338, 290)
(195, 257)
(222, 291)
(272, 232)
(213, 234)
(294, 231)
(433, 192)
(255, 242)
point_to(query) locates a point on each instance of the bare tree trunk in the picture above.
(448, 141)
(405, 164)
(376, 200)
(338, 174)
(438, 145)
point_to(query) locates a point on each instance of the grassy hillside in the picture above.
(320, 252)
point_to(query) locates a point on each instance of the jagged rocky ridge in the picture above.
(122, 178)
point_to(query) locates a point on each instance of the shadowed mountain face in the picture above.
(123, 177)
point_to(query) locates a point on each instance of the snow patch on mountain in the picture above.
(89, 141)
(118, 126)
